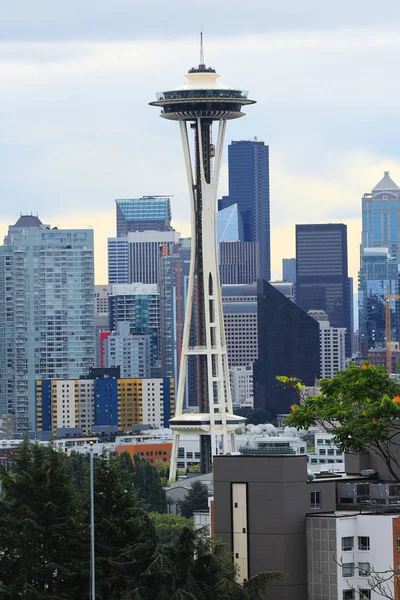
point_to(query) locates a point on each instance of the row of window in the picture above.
(350, 569)
(348, 543)
(362, 594)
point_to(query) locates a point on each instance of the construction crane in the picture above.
(388, 298)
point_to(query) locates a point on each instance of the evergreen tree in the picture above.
(196, 499)
(147, 483)
(43, 549)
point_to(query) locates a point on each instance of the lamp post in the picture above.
(92, 564)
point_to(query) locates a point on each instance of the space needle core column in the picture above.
(201, 101)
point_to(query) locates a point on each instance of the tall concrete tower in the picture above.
(203, 102)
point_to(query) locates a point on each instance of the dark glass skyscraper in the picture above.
(288, 344)
(249, 188)
(321, 273)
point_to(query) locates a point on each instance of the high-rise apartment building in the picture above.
(241, 379)
(131, 353)
(321, 273)
(139, 305)
(118, 260)
(145, 251)
(378, 276)
(332, 345)
(149, 213)
(288, 344)
(381, 217)
(240, 321)
(289, 269)
(239, 262)
(46, 311)
(101, 299)
(248, 163)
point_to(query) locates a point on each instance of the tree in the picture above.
(361, 406)
(256, 416)
(170, 527)
(146, 481)
(196, 499)
(43, 541)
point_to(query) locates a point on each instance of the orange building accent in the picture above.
(151, 451)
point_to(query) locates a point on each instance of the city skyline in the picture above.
(71, 136)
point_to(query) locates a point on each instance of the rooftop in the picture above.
(147, 208)
(28, 221)
(386, 184)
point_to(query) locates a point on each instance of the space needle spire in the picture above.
(205, 105)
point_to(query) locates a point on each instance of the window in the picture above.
(398, 544)
(365, 594)
(348, 570)
(363, 569)
(315, 500)
(348, 595)
(363, 543)
(347, 544)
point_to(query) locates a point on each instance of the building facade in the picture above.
(145, 251)
(289, 270)
(131, 353)
(378, 277)
(322, 275)
(46, 311)
(139, 305)
(332, 345)
(288, 344)
(242, 385)
(248, 163)
(229, 224)
(118, 260)
(149, 213)
(103, 401)
(381, 217)
(239, 262)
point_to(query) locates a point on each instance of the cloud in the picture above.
(76, 130)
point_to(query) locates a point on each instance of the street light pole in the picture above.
(92, 564)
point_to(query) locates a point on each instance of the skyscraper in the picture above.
(321, 273)
(229, 224)
(46, 311)
(202, 101)
(248, 163)
(149, 213)
(139, 305)
(288, 344)
(118, 260)
(239, 262)
(378, 276)
(381, 217)
(289, 269)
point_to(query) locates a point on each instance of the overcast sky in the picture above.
(76, 130)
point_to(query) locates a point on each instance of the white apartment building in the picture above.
(132, 353)
(101, 293)
(46, 311)
(346, 551)
(241, 379)
(332, 343)
(326, 455)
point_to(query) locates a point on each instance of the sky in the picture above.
(76, 130)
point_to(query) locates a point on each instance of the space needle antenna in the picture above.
(201, 49)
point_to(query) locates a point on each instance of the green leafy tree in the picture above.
(361, 406)
(196, 499)
(256, 416)
(43, 541)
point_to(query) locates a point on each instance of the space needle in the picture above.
(203, 103)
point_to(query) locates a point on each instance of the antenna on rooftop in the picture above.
(201, 49)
